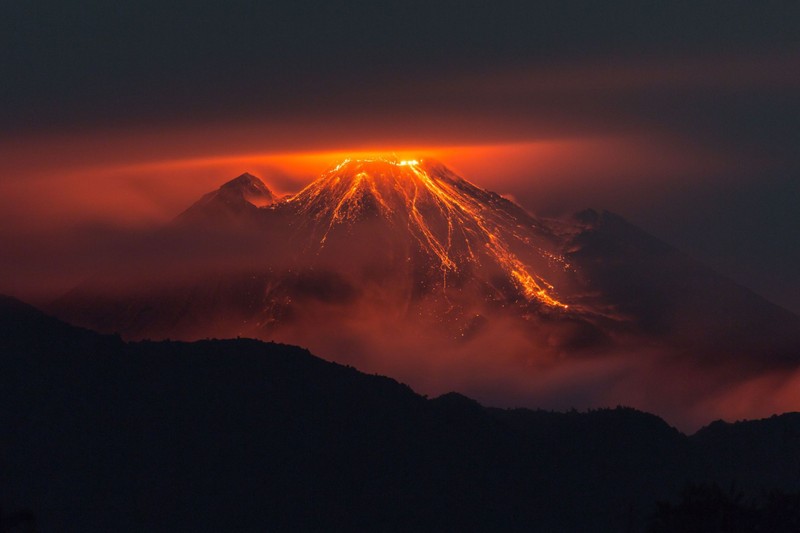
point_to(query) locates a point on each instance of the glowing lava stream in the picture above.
(348, 183)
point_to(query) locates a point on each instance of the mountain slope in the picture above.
(453, 230)
(406, 269)
(412, 238)
(234, 200)
(245, 435)
(663, 292)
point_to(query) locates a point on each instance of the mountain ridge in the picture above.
(221, 433)
(230, 202)
(406, 269)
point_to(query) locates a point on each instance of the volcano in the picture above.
(405, 268)
(409, 238)
(444, 227)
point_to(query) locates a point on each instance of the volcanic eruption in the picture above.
(405, 268)
(408, 237)
(454, 227)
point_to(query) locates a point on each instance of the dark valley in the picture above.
(105, 435)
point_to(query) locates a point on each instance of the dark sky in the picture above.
(698, 102)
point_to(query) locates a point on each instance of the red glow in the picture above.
(65, 196)
(70, 186)
(66, 202)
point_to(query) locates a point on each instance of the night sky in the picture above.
(684, 117)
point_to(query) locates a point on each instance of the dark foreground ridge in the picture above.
(240, 435)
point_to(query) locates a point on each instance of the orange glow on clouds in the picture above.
(160, 189)
(60, 214)
(59, 193)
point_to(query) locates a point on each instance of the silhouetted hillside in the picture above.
(220, 435)
(379, 260)
(708, 507)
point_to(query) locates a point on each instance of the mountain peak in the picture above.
(456, 225)
(385, 186)
(249, 188)
(244, 178)
(383, 163)
(236, 197)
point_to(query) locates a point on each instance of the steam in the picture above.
(513, 363)
(504, 361)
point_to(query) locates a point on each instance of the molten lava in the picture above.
(453, 221)
(403, 268)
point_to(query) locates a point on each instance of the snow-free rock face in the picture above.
(446, 229)
(405, 268)
(405, 244)
(233, 200)
(415, 239)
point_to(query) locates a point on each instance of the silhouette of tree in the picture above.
(18, 522)
(705, 508)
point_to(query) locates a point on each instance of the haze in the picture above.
(115, 117)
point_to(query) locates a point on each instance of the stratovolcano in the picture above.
(455, 227)
(407, 269)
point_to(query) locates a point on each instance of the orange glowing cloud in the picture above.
(62, 217)
(56, 185)
(151, 190)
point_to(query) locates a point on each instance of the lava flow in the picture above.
(403, 268)
(453, 220)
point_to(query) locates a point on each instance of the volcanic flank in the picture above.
(455, 229)
(405, 268)
(246, 192)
